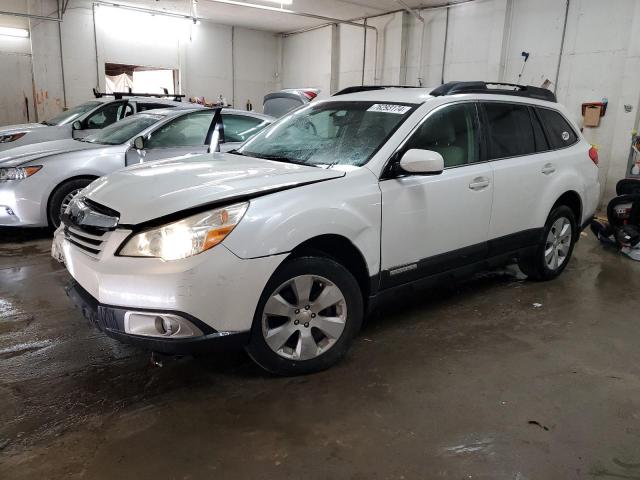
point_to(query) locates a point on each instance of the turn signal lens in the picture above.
(593, 155)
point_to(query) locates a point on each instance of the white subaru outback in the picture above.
(282, 245)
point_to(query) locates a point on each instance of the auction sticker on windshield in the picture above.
(389, 108)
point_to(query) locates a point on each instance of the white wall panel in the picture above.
(256, 66)
(307, 60)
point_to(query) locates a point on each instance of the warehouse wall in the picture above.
(47, 66)
(202, 53)
(22, 72)
(307, 59)
(92, 36)
(16, 74)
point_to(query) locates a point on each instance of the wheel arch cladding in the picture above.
(343, 251)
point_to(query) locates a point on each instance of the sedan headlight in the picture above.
(12, 137)
(187, 237)
(18, 173)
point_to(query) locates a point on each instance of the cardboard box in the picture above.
(592, 115)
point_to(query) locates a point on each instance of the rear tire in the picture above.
(61, 197)
(307, 317)
(556, 246)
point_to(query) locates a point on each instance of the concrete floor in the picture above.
(466, 381)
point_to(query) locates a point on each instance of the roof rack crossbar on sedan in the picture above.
(528, 91)
(368, 88)
(120, 95)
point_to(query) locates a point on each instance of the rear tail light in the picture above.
(593, 155)
(310, 94)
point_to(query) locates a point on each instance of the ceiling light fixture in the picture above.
(281, 2)
(14, 32)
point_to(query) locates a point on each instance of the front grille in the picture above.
(89, 243)
(87, 225)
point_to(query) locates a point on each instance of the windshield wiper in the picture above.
(278, 158)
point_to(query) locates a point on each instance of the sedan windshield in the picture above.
(72, 114)
(124, 130)
(329, 133)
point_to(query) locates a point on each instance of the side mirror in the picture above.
(77, 125)
(139, 143)
(422, 162)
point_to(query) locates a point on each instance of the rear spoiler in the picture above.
(120, 95)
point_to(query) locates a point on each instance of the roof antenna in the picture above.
(525, 55)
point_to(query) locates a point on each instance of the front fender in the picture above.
(349, 206)
(58, 169)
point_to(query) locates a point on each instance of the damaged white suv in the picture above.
(284, 244)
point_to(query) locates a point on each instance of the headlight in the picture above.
(186, 237)
(11, 138)
(17, 173)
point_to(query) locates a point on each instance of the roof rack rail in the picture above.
(120, 95)
(369, 88)
(528, 91)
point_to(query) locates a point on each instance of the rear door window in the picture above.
(558, 129)
(510, 131)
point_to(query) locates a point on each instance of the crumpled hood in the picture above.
(23, 127)
(149, 191)
(13, 157)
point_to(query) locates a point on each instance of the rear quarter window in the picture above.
(559, 131)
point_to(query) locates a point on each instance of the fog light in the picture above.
(159, 325)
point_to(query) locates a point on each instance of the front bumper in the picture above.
(20, 205)
(216, 287)
(110, 320)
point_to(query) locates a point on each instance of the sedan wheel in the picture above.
(61, 197)
(67, 200)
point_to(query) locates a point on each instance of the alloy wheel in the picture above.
(67, 200)
(558, 243)
(304, 317)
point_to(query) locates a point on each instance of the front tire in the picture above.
(307, 317)
(554, 251)
(61, 198)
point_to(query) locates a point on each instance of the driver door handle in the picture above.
(479, 183)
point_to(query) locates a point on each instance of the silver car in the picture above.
(38, 181)
(82, 120)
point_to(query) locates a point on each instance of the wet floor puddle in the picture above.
(23, 348)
